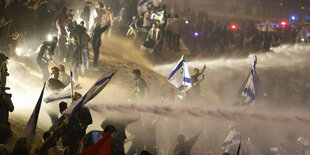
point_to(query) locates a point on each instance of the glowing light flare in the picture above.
(283, 23)
(293, 18)
(18, 51)
(186, 22)
(233, 27)
(196, 34)
(49, 37)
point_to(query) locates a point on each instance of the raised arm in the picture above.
(203, 70)
(193, 140)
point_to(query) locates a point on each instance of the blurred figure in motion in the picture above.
(176, 28)
(119, 137)
(45, 56)
(195, 91)
(74, 58)
(140, 92)
(3, 69)
(185, 147)
(155, 38)
(62, 35)
(97, 16)
(6, 106)
(54, 83)
(85, 42)
(96, 41)
(85, 15)
(63, 76)
(147, 22)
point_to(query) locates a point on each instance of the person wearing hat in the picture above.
(45, 56)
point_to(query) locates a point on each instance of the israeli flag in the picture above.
(30, 129)
(143, 5)
(66, 93)
(179, 77)
(158, 16)
(91, 93)
(249, 90)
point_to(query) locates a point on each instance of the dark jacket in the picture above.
(6, 106)
(96, 35)
(55, 84)
(74, 55)
(46, 47)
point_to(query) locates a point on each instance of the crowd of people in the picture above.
(80, 33)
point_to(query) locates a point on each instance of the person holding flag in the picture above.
(179, 77)
(195, 91)
(67, 113)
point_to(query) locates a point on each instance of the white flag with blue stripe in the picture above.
(91, 93)
(143, 5)
(30, 129)
(249, 90)
(180, 77)
(66, 93)
(158, 16)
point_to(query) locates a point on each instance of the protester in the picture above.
(45, 56)
(72, 132)
(85, 15)
(85, 42)
(107, 16)
(54, 83)
(147, 22)
(155, 37)
(176, 28)
(74, 58)
(119, 137)
(3, 69)
(83, 114)
(185, 147)
(97, 17)
(96, 41)
(63, 76)
(141, 90)
(6, 106)
(62, 35)
(195, 90)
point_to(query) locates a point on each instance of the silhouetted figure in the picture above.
(96, 41)
(45, 56)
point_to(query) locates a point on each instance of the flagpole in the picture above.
(71, 75)
(184, 90)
